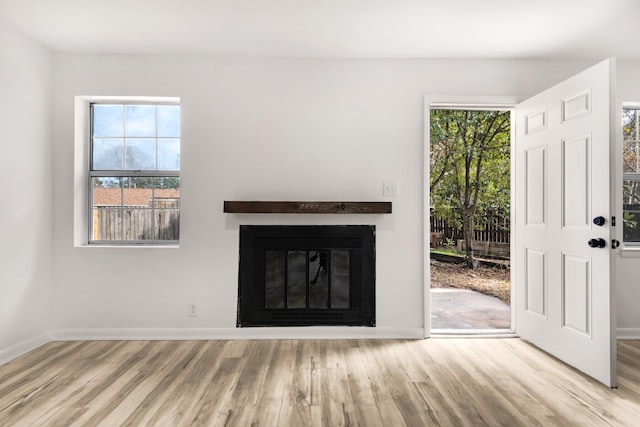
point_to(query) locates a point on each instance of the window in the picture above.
(631, 174)
(134, 173)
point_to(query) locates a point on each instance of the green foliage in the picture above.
(446, 251)
(449, 243)
(630, 221)
(469, 151)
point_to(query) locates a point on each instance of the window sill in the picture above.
(629, 252)
(129, 246)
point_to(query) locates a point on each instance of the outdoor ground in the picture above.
(488, 280)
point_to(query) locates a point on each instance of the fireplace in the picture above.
(306, 275)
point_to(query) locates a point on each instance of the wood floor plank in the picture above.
(215, 401)
(270, 398)
(373, 357)
(360, 387)
(456, 383)
(435, 382)
(433, 386)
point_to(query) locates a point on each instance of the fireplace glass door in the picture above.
(306, 275)
(312, 278)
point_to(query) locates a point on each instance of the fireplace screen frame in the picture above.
(256, 240)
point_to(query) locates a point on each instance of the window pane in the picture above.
(631, 193)
(108, 154)
(106, 192)
(108, 120)
(106, 210)
(630, 157)
(631, 210)
(138, 223)
(167, 192)
(631, 230)
(629, 121)
(166, 201)
(141, 154)
(138, 191)
(167, 223)
(141, 120)
(137, 212)
(169, 154)
(169, 121)
(167, 187)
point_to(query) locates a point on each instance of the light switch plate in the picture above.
(389, 189)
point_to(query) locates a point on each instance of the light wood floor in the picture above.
(459, 382)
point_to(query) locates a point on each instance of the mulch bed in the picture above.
(487, 280)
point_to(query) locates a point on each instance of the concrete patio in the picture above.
(463, 309)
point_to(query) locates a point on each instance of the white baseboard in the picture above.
(311, 332)
(23, 347)
(628, 333)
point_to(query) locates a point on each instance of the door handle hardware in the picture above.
(597, 243)
(615, 244)
(599, 221)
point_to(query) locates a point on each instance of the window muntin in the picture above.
(631, 175)
(134, 172)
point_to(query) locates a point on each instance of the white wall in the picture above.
(26, 177)
(269, 130)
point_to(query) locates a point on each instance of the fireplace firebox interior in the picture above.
(307, 275)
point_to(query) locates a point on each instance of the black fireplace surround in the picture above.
(306, 275)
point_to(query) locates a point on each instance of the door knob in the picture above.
(597, 243)
(599, 220)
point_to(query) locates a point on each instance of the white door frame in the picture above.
(473, 103)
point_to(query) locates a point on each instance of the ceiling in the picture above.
(572, 29)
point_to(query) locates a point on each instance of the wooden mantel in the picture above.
(296, 207)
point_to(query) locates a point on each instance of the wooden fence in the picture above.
(493, 230)
(114, 223)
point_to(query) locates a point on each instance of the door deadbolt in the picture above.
(597, 243)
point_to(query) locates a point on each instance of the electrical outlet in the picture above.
(389, 189)
(193, 310)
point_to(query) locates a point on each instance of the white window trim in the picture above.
(81, 197)
(627, 249)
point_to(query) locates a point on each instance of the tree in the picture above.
(470, 167)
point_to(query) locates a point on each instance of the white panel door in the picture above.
(563, 279)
